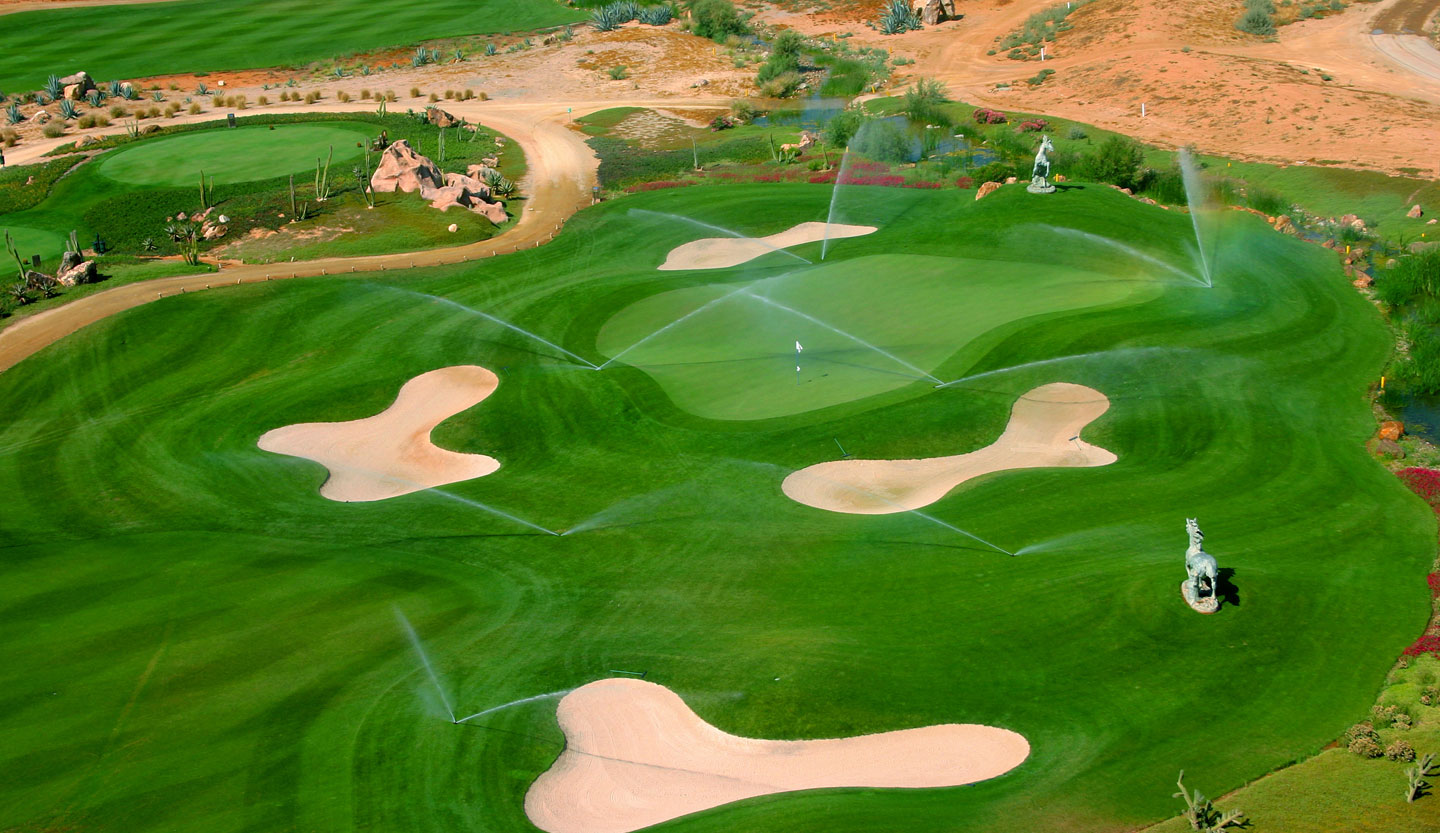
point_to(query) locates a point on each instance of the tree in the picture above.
(784, 57)
(842, 127)
(716, 19)
(1116, 161)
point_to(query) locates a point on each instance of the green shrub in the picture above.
(1116, 161)
(1399, 751)
(53, 130)
(842, 127)
(1365, 747)
(1076, 133)
(1256, 22)
(716, 19)
(617, 73)
(924, 100)
(883, 141)
(781, 86)
(784, 57)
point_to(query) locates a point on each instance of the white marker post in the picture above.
(1142, 109)
(1042, 54)
(798, 350)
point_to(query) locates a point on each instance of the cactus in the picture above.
(15, 253)
(201, 89)
(490, 49)
(52, 86)
(13, 114)
(1201, 812)
(656, 15)
(68, 110)
(157, 96)
(96, 98)
(132, 129)
(204, 200)
(292, 195)
(1414, 775)
(322, 177)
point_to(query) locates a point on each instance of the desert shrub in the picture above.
(1430, 696)
(1116, 161)
(195, 109)
(994, 172)
(657, 15)
(342, 97)
(1039, 78)
(784, 57)
(364, 94)
(1256, 21)
(118, 112)
(1399, 751)
(1042, 26)
(8, 138)
(1365, 747)
(617, 73)
(53, 130)
(924, 99)
(743, 111)
(1363, 729)
(716, 19)
(86, 121)
(883, 141)
(415, 92)
(781, 86)
(262, 100)
(842, 127)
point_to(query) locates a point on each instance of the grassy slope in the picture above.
(230, 156)
(190, 36)
(196, 639)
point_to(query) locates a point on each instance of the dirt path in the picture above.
(12, 6)
(1406, 17)
(562, 171)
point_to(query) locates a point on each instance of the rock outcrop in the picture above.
(402, 169)
(75, 269)
(987, 189)
(1392, 430)
(439, 117)
(467, 193)
(1414, 213)
(77, 86)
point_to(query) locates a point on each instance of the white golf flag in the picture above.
(798, 348)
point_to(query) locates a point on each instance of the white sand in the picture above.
(636, 755)
(723, 252)
(1038, 436)
(390, 454)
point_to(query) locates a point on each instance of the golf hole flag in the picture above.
(798, 351)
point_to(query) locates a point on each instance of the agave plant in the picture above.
(459, 56)
(13, 114)
(435, 56)
(567, 34)
(490, 49)
(606, 18)
(201, 89)
(657, 15)
(499, 185)
(338, 72)
(157, 96)
(129, 93)
(115, 88)
(53, 86)
(148, 244)
(68, 110)
(365, 69)
(898, 18)
(42, 98)
(96, 98)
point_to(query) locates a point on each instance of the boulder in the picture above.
(490, 162)
(1414, 213)
(402, 169)
(149, 129)
(81, 81)
(987, 189)
(40, 117)
(126, 89)
(1284, 224)
(81, 272)
(1362, 281)
(37, 280)
(479, 171)
(1353, 221)
(70, 260)
(452, 228)
(1390, 448)
(1392, 430)
(1010, 180)
(73, 92)
(439, 117)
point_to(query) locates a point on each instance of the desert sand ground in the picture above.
(390, 454)
(1044, 432)
(724, 252)
(636, 755)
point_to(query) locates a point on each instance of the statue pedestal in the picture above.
(1040, 185)
(1208, 604)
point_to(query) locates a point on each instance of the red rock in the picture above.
(402, 169)
(987, 189)
(1392, 430)
(1414, 213)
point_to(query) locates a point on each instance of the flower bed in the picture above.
(660, 185)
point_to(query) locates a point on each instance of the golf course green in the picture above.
(231, 156)
(196, 639)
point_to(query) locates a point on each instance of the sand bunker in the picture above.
(390, 454)
(1043, 432)
(723, 252)
(635, 755)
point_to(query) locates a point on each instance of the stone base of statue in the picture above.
(1040, 185)
(1205, 604)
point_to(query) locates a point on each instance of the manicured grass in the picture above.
(30, 241)
(230, 156)
(195, 639)
(190, 36)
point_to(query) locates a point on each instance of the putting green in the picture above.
(196, 639)
(239, 155)
(31, 241)
(867, 326)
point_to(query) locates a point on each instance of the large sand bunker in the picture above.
(723, 252)
(390, 454)
(636, 755)
(1044, 432)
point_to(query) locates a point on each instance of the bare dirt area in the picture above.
(1407, 17)
(390, 454)
(12, 6)
(636, 755)
(1044, 432)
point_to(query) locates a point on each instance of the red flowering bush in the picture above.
(656, 186)
(921, 185)
(1423, 482)
(872, 167)
(985, 115)
(1427, 644)
(890, 181)
(1032, 126)
(965, 182)
(1434, 579)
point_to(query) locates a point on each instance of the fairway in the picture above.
(230, 156)
(197, 638)
(30, 241)
(133, 41)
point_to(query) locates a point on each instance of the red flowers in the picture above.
(1032, 126)
(656, 186)
(1423, 482)
(985, 115)
(1427, 644)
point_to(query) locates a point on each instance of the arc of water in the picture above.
(425, 661)
(492, 510)
(860, 341)
(1043, 362)
(1129, 250)
(720, 229)
(682, 319)
(834, 198)
(519, 702)
(1190, 176)
(487, 316)
(931, 518)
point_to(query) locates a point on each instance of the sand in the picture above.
(1043, 433)
(390, 454)
(724, 252)
(636, 755)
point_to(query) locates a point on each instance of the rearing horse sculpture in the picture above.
(1201, 568)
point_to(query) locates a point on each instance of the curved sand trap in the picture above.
(390, 454)
(722, 252)
(635, 755)
(1042, 433)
